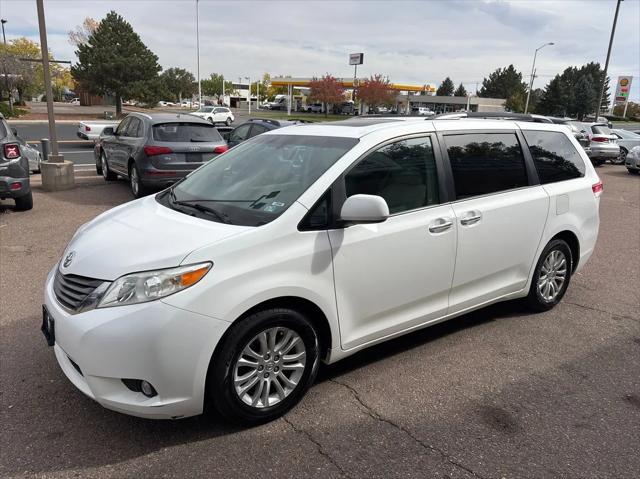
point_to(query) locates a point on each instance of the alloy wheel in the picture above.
(553, 275)
(269, 367)
(135, 186)
(105, 168)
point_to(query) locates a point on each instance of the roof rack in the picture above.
(494, 115)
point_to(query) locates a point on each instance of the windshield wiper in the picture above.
(197, 206)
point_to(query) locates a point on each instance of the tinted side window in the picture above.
(403, 173)
(123, 125)
(257, 130)
(555, 157)
(484, 163)
(132, 128)
(240, 133)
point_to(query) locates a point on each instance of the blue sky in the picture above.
(410, 41)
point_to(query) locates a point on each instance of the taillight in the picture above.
(157, 150)
(600, 139)
(597, 188)
(220, 149)
(11, 151)
(15, 186)
(87, 128)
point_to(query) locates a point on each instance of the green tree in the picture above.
(446, 88)
(212, 86)
(179, 83)
(503, 83)
(585, 97)
(149, 92)
(460, 91)
(554, 98)
(25, 77)
(114, 59)
(516, 102)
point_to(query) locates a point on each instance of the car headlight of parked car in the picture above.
(151, 285)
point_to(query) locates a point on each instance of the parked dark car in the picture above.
(154, 151)
(14, 168)
(254, 127)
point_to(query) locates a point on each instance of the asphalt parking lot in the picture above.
(499, 393)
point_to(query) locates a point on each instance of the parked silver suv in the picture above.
(153, 151)
(14, 168)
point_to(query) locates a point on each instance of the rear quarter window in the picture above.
(555, 157)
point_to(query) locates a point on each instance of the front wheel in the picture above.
(228, 122)
(264, 366)
(107, 174)
(551, 276)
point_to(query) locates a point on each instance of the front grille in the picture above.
(71, 290)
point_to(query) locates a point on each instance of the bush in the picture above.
(4, 109)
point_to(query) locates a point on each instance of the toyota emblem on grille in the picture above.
(68, 259)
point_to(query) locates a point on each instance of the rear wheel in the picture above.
(228, 122)
(551, 276)
(25, 202)
(137, 186)
(621, 158)
(264, 366)
(211, 120)
(38, 163)
(107, 174)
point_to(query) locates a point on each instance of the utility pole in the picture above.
(249, 97)
(198, 52)
(606, 65)
(6, 73)
(57, 174)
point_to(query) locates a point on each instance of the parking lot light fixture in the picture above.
(533, 69)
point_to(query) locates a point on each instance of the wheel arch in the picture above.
(572, 240)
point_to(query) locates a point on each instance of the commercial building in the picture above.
(445, 104)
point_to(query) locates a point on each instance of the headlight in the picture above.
(151, 285)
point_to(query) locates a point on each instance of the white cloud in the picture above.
(410, 41)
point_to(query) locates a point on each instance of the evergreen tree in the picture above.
(114, 59)
(554, 99)
(446, 88)
(179, 83)
(585, 97)
(460, 91)
(503, 83)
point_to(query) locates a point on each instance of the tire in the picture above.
(221, 387)
(25, 202)
(537, 299)
(633, 172)
(138, 188)
(38, 167)
(598, 162)
(105, 171)
(211, 120)
(622, 158)
(228, 122)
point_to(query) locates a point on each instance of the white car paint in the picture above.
(215, 114)
(91, 130)
(372, 281)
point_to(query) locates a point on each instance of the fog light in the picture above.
(147, 389)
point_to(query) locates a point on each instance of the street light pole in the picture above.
(198, 51)
(6, 73)
(57, 174)
(249, 97)
(606, 65)
(533, 68)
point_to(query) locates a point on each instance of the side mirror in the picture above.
(108, 131)
(364, 209)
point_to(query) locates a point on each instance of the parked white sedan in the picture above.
(216, 114)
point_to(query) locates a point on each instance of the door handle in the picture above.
(471, 218)
(440, 225)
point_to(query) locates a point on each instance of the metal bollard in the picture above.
(44, 149)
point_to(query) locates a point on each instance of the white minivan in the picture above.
(307, 244)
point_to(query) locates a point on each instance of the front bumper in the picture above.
(169, 347)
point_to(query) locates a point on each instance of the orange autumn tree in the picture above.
(326, 90)
(376, 91)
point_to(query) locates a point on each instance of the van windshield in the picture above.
(255, 182)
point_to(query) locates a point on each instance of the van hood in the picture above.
(138, 236)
